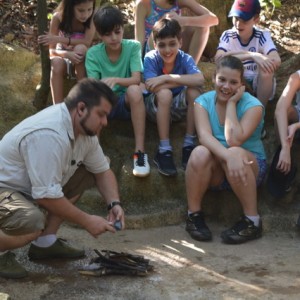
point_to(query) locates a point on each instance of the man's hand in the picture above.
(96, 225)
(116, 214)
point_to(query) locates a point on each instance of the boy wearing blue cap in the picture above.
(253, 46)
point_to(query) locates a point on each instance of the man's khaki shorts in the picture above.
(20, 215)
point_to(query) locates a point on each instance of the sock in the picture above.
(189, 140)
(190, 213)
(254, 219)
(164, 145)
(45, 240)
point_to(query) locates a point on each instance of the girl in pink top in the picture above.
(71, 34)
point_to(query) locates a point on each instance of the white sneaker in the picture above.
(141, 166)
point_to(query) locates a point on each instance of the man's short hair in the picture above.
(107, 18)
(90, 91)
(166, 28)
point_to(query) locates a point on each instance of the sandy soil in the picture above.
(268, 268)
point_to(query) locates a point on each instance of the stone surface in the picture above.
(155, 200)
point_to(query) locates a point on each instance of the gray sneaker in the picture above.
(10, 268)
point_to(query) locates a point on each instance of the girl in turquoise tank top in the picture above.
(230, 156)
(195, 26)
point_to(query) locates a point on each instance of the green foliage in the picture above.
(270, 5)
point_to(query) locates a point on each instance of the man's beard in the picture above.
(87, 131)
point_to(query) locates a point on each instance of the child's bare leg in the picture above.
(134, 99)
(264, 87)
(164, 100)
(202, 171)
(247, 195)
(80, 68)
(191, 95)
(194, 41)
(58, 71)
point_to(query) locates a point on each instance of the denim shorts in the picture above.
(262, 165)
(178, 107)
(120, 111)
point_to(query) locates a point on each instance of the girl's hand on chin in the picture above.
(238, 94)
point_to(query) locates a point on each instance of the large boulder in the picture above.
(20, 73)
(152, 201)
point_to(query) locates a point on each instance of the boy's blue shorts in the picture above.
(120, 111)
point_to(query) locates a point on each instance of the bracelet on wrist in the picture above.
(112, 204)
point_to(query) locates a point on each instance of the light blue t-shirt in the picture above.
(154, 64)
(254, 143)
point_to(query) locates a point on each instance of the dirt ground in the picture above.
(268, 268)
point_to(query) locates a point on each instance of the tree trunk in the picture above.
(43, 89)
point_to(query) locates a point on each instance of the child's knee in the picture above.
(58, 65)
(80, 49)
(264, 76)
(164, 94)
(134, 93)
(200, 156)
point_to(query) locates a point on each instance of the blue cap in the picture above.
(245, 9)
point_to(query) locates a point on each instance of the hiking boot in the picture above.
(186, 153)
(141, 166)
(10, 268)
(60, 249)
(244, 230)
(196, 227)
(165, 164)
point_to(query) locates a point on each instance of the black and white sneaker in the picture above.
(141, 166)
